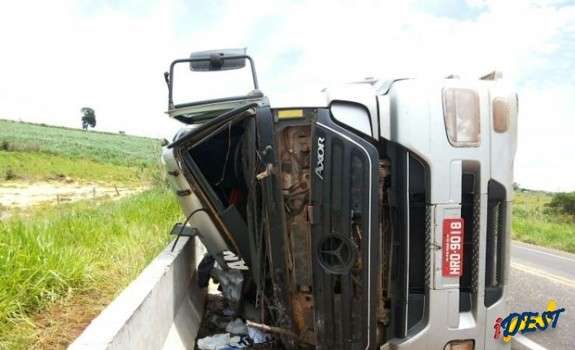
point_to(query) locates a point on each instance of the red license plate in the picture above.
(452, 247)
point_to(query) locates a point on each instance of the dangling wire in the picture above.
(184, 225)
(227, 156)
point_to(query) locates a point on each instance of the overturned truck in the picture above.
(376, 215)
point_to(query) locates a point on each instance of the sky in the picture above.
(59, 56)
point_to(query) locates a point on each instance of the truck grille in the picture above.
(476, 235)
(497, 228)
(470, 212)
(345, 244)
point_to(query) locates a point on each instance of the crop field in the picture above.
(35, 152)
(534, 222)
(109, 148)
(62, 262)
(38, 166)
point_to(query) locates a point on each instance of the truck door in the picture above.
(344, 215)
(213, 159)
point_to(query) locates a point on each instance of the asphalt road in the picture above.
(538, 275)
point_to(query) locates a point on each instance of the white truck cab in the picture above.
(373, 216)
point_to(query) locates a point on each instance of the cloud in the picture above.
(55, 61)
(546, 148)
(110, 55)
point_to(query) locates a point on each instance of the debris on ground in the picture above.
(231, 285)
(223, 341)
(237, 327)
(259, 337)
(221, 331)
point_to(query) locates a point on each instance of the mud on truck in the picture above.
(375, 215)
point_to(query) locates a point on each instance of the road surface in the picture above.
(538, 275)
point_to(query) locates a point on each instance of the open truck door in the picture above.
(209, 162)
(205, 155)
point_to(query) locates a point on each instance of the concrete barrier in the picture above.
(161, 309)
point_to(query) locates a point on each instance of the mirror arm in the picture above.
(254, 75)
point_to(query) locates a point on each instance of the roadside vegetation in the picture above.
(66, 262)
(33, 152)
(118, 149)
(545, 219)
(37, 166)
(62, 262)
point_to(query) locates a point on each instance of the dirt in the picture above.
(17, 195)
(65, 320)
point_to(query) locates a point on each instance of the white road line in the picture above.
(543, 274)
(544, 253)
(521, 342)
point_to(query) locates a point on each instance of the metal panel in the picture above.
(345, 236)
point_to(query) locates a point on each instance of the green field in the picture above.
(36, 166)
(101, 147)
(61, 264)
(32, 152)
(70, 251)
(534, 223)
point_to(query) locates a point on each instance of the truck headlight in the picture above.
(500, 115)
(461, 116)
(504, 110)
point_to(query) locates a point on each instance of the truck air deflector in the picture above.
(344, 199)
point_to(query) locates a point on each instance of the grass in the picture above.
(534, 223)
(34, 166)
(60, 265)
(62, 255)
(101, 147)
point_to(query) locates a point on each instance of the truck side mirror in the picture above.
(216, 60)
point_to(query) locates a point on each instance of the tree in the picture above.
(563, 202)
(88, 118)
